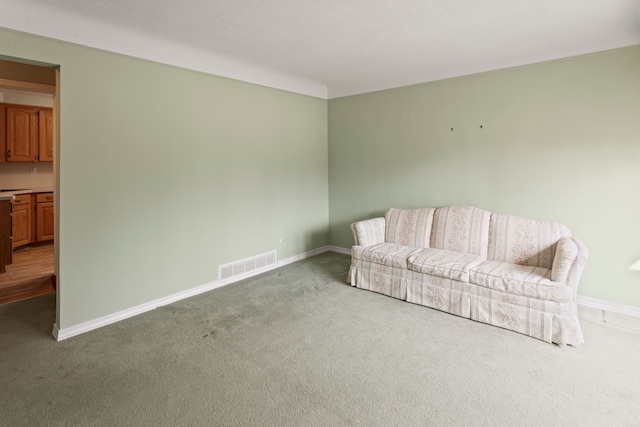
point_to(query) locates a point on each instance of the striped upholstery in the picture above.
(564, 259)
(524, 241)
(442, 263)
(461, 229)
(409, 227)
(522, 280)
(384, 253)
(368, 232)
(507, 271)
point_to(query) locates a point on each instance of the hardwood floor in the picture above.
(29, 274)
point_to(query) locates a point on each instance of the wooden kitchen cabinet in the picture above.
(21, 134)
(45, 135)
(44, 217)
(32, 219)
(26, 133)
(21, 220)
(6, 251)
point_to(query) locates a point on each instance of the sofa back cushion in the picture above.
(461, 229)
(409, 227)
(524, 241)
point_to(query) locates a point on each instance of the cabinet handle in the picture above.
(49, 198)
(9, 153)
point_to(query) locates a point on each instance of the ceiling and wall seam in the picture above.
(334, 49)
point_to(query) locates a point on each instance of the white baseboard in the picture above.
(612, 313)
(63, 334)
(338, 249)
(608, 306)
(302, 256)
(608, 312)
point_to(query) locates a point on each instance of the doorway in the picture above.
(27, 88)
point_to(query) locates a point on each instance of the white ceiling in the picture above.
(334, 48)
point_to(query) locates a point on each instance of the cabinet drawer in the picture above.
(44, 197)
(22, 199)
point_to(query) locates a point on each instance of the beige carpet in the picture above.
(298, 347)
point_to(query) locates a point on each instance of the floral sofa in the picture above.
(515, 273)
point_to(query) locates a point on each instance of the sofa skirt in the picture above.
(546, 320)
(383, 279)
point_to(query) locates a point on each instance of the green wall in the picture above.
(167, 173)
(557, 141)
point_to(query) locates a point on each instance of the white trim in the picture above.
(323, 249)
(56, 332)
(52, 22)
(63, 334)
(339, 249)
(302, 256)
(611, 307)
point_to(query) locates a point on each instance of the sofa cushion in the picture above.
(461, 229)
(443, 263)
(389, 254)
(524, 241)
(409, 227)
(524, 280)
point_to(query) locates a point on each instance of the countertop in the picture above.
(9, 194)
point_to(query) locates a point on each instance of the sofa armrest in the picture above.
(369, 232)
(568, 261)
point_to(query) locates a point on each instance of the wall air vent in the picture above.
(248, 266)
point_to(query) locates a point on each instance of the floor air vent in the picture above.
(248, 266)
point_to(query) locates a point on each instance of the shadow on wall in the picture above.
(317, 239)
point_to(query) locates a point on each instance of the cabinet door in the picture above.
(45, 135)
(21, 225)
(5, 234)
(44, 221)
(3, 132)
(21, 134)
